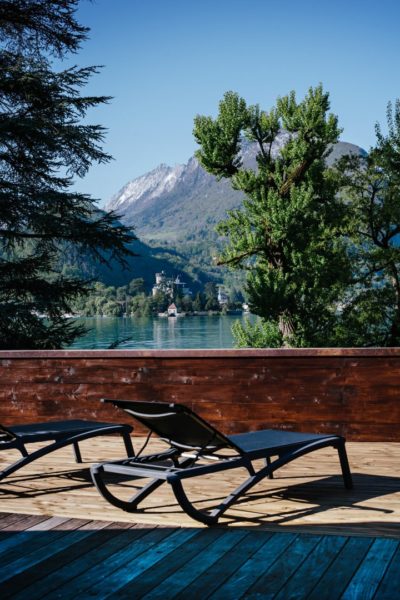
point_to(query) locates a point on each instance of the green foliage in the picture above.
(108, 301)
(262, 334)
(43, 146)
(371, 185)
(288, 235)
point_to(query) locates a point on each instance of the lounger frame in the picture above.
(184, 460)
(59, 434)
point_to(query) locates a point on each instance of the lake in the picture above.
(212, 331)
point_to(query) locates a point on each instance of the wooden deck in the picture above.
(307, 495)
(78, 558)
(301, 535)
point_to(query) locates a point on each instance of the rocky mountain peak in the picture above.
(185, 202)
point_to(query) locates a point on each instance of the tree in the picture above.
(160, 301)
(288, 233)
(211, 296)
(43, 147)
(198, 302)
(136, 286)
(371, 310)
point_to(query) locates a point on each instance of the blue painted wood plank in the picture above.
(178, 581)
(74, 588)
(20, 543)
(389, 588)
(236, 583)
(308, 574)
(275, 575)
(371, 571)
(36, 541)
(46, 576)
(150, 578)
(228, 564)
(336, 578)
(146, 560)
(29, 558)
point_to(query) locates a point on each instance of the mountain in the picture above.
(175, 209)
(180, 203)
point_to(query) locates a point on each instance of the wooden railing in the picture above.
(353, 392)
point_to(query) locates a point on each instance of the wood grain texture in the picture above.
(306, 495)
(120, 561)
(352, 392)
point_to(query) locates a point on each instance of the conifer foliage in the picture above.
(288, 233)
(371, 187)
(44, 147)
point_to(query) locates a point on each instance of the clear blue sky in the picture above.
(167, 60)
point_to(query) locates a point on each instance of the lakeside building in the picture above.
(172, 310)
(168, 285)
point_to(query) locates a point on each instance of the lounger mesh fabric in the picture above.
(196, 448)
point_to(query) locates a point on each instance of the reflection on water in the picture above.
(157, 332)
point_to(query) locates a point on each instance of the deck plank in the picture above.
(196, 567)
(128, 570)
(233, 580)
(54, 540)
(14, 522)
(276, 574)
(313, 568)
(210, 581)
(38, 581)
(391, 580)
(18, 561)
(149, 579)
(371, 571)
(99, 574)
(113, 559)
(335, 580)
(305, 496)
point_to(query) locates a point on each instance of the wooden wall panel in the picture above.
(348, 391)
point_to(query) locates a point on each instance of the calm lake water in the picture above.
(158, 332)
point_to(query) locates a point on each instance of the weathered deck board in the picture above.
(346, 563)
(149, 579)
(249, 566)
(119, 560)
(391, 580)
(306, 495)
(373, 568)
(250, 547)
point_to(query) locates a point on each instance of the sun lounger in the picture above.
(59, 434)
(196, 448)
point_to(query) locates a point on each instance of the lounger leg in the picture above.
(268, 463)
(20, 446)
(128, 445)
(344, 463)
(127, 441)
(97, 473)
(211, 517)
(130, 505)
(77, 452)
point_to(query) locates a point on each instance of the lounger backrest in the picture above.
(6, 436)
(175, 423)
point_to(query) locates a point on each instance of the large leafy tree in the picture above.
(371, 186)
(288, 233)
(44, 147)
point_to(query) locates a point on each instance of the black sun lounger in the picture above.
(196, 448)
(59, 434)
